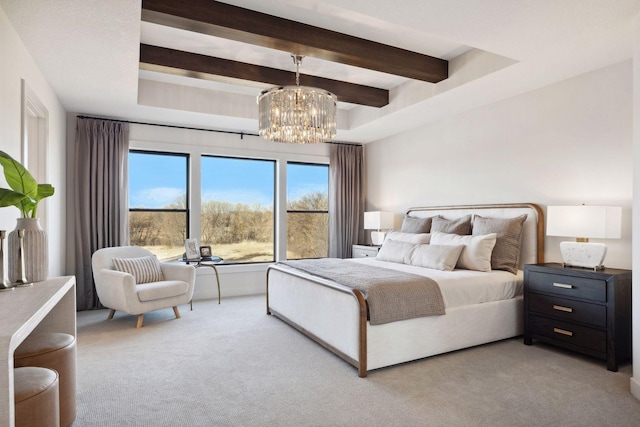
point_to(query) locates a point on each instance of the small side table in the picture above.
(201, 264)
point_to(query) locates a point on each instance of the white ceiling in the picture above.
(89, 52)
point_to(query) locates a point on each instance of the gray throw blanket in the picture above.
(391, 295)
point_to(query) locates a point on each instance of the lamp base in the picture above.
(580, 254)
(377, 237)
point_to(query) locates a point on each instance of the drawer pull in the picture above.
(562, 308)
(563, 332)
(562, 285)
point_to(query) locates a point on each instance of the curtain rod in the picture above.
(231, 132)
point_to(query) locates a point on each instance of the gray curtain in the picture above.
(346, 206)
(101, 203)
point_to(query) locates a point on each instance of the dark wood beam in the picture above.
(188, 64)
(248, 26)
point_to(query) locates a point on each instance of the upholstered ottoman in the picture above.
(36, 397)
(55, 351)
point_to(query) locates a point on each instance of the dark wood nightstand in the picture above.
(581, 310)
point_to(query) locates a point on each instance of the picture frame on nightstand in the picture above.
(192, 252)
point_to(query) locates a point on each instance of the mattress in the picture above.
(463, 287)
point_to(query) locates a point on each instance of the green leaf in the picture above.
(44, 190)
(10, 198)
(18, 178)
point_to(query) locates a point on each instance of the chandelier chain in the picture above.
(297, 59)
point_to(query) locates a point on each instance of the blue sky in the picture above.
(158, 180)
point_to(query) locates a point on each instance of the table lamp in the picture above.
(378, 221)
(584, 222)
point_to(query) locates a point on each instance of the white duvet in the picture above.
(463, 287)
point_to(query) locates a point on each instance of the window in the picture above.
(307, 210)
(158, 202)
(237, 217)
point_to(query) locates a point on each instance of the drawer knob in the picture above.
(562, 285)
(562, 308)
(563, 332)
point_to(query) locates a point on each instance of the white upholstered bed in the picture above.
(335, 316)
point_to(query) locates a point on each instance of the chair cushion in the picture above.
(144, 269)
(164, 289)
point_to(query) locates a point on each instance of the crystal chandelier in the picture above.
(297, 114)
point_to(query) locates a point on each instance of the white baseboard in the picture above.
(635, 388)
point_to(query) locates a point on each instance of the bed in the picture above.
(336, 316)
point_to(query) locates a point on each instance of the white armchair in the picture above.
(118, 290)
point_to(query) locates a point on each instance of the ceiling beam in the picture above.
(160, 59)
(248, 26)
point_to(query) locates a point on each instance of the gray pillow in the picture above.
(506, 253)
(416, 225)
(145, 269)
(461, 226)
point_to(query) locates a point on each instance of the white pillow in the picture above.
(439, 257)
(395, 251)
(415, 238)
(476, 254)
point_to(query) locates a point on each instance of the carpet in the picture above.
(232, 365)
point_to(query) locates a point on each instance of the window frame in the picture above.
(198, 142)
(187, 210)
(274, 245)
(288, 211)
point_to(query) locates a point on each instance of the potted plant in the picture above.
(25, 193)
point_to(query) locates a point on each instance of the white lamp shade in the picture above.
(598, 222)
(378, 220)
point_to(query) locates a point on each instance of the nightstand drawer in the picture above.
(361, 251)
(582, 336)
(568, 286)
(569, 310)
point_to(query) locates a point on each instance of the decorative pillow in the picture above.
(476, 254)
(460, 226)
(144, 269)
(506, 253)
(415, 225)
(395, 251)
(419, 238)
(439, 257)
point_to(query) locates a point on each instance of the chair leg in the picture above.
(111, 313)
(175, 310)
(140, 319)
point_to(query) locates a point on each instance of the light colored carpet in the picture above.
(232, 365)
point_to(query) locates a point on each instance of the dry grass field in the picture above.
(234, 252)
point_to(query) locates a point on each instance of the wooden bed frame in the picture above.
(335, 316)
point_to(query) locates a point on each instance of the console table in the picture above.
(48, 306)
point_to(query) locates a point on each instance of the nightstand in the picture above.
(360, 251)
(581, 310)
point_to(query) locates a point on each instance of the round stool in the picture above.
(36, 397)
(55, 351)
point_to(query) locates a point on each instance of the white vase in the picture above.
(35, 251)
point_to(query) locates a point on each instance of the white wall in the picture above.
(17, 64)
(568, 143)
(635, 381)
